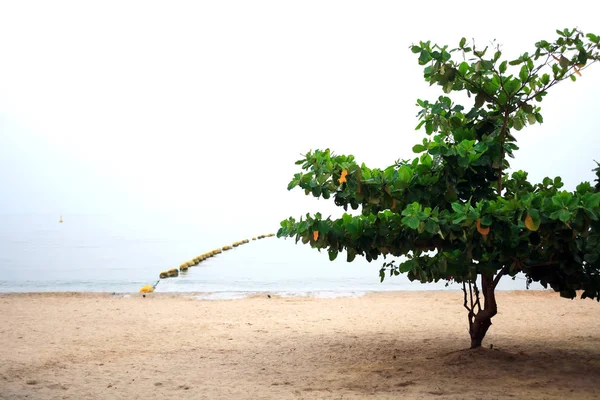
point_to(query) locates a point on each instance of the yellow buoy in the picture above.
(147, 289)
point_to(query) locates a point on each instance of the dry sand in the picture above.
(407, 345)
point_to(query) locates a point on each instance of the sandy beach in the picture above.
(408, 345)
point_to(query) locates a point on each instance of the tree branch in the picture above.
(464, 289)
(499, 275)
(471, 296)
(502, 136)
(477, 303)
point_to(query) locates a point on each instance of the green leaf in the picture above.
(333, 253)
(424, 57)
(502, 98)
(539, 118)
(592, 37)
(502, 67)
(463, 68)
(517, 123)
(415, 49)
(486, 220)
(407, 266)
(458, 208)
(351, 254)
(462, 43)
(479, 100)
(591, 200)
(411, 221)
(431, 226)
(426, 160)
(418, 148)
(524, 73)
(512, 86)
(405, 174)
(564, 215)
(429, 127)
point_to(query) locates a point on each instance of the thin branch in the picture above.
(464, 289)
(471, 296)
(477, 303)
(499, 275)
(555, 81)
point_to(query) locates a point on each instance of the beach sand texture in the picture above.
(407, 345)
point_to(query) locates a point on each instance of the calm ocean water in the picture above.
(107, 254)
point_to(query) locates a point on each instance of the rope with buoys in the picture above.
(183, 267)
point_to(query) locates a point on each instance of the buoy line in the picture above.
(183, 267)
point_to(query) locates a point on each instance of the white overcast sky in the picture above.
(201, 108)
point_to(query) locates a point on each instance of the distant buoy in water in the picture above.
(60, 220)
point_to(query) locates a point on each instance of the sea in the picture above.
(106, 253)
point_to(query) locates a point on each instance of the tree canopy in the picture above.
(453, 212)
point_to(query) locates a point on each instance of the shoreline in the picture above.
(241, 295)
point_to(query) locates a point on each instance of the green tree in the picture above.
(453, 213)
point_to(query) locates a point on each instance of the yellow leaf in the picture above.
(393, 203)
(577, 71)
(316, 235)
(481, 229)
(358, 190)
(530, 224)
(343, 177)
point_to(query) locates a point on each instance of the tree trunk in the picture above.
(480, 323)
(478, 329)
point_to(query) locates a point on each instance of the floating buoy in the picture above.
(173, 272)
(164, 275)
(147, 289)
(253, 238)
